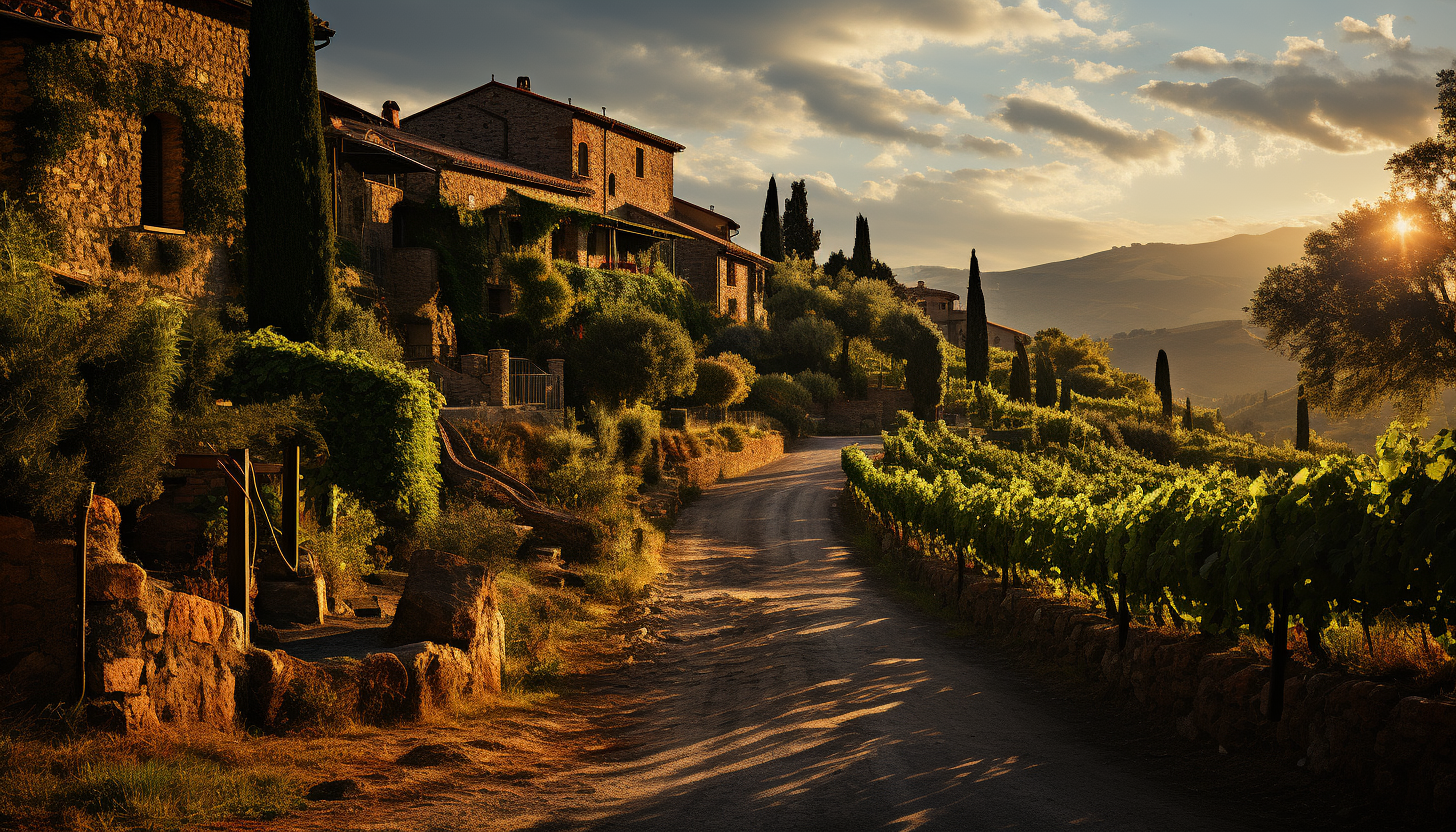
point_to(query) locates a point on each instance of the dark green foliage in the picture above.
(1163, 383)
(1085, 363)
(837, 263)
(771, 234)
(290, 283)
(862, 308)
(462, 239)
(881, 272)
(378, 420)
(752, 341)
(978, 340)
(907, 334)
(630, 354)
(822, 387)
(70, 83)
(1020, 375)
(541, 295)
(1365, 297)
(720, 384)
(358, 328)
(806, 343)
(1065, 402)
(1301, 422)
(1188, 416)
(800, 238)
(85, 383)
(1046, 380)
(782, 398)
(860, 260)
(657, 291)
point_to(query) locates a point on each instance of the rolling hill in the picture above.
(1141, 286)
(1208, 362)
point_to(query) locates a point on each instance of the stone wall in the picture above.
(653, 190)
(1399, 747)
(706, 470)
(96, 189)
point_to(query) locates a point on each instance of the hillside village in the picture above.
(330, 428)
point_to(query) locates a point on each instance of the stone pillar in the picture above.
(556, 385)
(498, 380)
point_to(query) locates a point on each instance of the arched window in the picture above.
(583, 160)
(612, 184)
(161, 171)
(641, 163)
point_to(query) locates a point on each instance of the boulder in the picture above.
(439, 676)
(450, 601)
(384, 685)
(103, 532)
(290, 694)
(300, 601)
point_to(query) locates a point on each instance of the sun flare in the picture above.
(1404, 226)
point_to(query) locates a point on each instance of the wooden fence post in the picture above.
(83, 522)
(240, 571)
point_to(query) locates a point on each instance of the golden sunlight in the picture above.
(1404, 226)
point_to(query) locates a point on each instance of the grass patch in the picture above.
(169, 782)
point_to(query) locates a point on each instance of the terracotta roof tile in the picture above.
(693, 231)
(44, 12)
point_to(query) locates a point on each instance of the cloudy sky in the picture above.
(1032, 131)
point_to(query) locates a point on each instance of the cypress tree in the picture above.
(978, 340)
(1163, 383)
(1301, 422)
(1021, 375)
(860, 261)
(1188, 414)
(1046, 380)
(771, 236)
(1066, 402)
(800, 238)
(289, 234)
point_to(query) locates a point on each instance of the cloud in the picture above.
(995, 148)
(1308, 94)
(809, 68)
(1382, 33)
(1097, 72)
(1078, 128)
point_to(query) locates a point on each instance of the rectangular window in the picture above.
(641, 163)
(732, 274)
(733, 307)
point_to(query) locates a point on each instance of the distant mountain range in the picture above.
(1208, 362)
(1141, 286)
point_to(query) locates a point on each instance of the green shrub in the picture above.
(1151, 439)
(357, 328)
(821, 386)
(780, 397)
(345, 552)
(807, 343)
(472, 531)
(720, 384)
(732, 435)
(588, 482)
(539, 292)
(637, 429)
(379, 419)
(633, 355)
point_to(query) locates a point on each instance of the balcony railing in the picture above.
(530, 385)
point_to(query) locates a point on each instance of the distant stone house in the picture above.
(154, 194)
(628, 209)
(944, 310)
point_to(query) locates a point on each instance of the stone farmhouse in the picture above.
(499, 149)
(944, 310)
(142, 176)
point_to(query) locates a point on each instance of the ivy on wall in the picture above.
(72, 86)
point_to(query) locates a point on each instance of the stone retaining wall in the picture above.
(1401, 747)
(706, 470)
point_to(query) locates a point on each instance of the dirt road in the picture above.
(778, 686)
(792, 693)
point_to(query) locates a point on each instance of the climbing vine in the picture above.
(71, 85)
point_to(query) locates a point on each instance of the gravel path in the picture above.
(793, 694)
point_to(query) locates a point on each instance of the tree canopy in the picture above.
(1369, 312)
(978, 340)
(771, 234)
(801, 239)
(290, 240)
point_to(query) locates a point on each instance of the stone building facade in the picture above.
(116, 191)
(944, 310)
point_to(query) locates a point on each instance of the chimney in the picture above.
(523, 82)
(391, 113)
